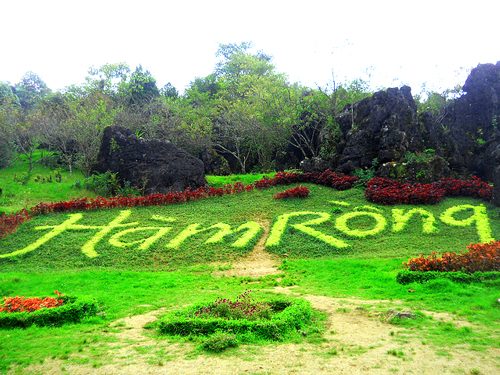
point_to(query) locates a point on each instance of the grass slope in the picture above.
(129, 281)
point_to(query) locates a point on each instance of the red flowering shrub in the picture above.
(381, 190)
(296, 192)
(326, 178)
(468, 188)
(480, 257)
(20, 304)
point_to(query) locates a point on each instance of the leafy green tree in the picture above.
(186, 123)
(31, 90)
(7, 96)
(141, 89)
(275, 104)
(237, 60)
(169, 91)
(59, 131)
(313, 117)
(109, 79)
(9, 106)
(27, 133)
(88, 118)
(203, 88)
(255, 106)
(22, 124)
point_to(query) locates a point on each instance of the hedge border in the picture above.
(72, 312)
(293, 317)
(407, 277)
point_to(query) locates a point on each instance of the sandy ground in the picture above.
(358, 341)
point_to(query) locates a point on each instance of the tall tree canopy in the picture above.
(31, 90)
(141, 88)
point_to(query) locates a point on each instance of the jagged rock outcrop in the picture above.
(473, 121)
(315, 164)
(383, 127)
(495, 160)
(214, 163)
(156, 166)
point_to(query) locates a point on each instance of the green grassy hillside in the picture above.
(332, 243)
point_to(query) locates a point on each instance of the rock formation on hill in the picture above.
(383, 126)
(156, 166)
(473, 123)
(463, 141)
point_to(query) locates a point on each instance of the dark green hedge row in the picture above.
(407, 277)
(293, 317)
(72, 312)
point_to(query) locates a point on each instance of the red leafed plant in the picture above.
(481, 257)
(20, 304)
(385, 191)
(296, 192)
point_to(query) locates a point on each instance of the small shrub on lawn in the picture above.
(296, 192)
(220, 341)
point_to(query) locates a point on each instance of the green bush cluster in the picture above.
(293, 317)
(407, 277)
(72, 312)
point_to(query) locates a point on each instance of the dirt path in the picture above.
(258, 262)
(357, 341)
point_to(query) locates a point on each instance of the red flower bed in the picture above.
(20, 304)
(380, 190)
(326, 178)
(479, 257)
(296, 192)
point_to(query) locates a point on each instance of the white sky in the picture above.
(399, 42)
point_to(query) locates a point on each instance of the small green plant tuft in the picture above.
(220, 341)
